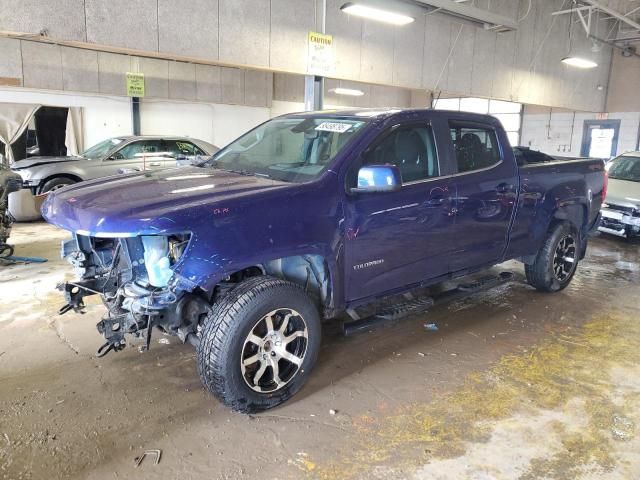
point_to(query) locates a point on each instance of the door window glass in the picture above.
(509, 113)
(475, 147)
(139, 149)
(180, 147)
(411, 149)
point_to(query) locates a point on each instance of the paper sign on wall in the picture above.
(135, 84)
(320, 54)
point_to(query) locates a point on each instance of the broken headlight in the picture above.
(161, 253)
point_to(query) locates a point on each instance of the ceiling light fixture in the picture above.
(579, 62)
(376, 14)
(347, 91)
(571, 59)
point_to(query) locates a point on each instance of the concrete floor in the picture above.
(514, 384)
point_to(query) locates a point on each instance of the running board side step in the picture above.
(398, 311)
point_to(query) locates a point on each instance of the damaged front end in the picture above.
(137, 281)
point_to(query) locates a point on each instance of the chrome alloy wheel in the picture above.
(274, 350)
(59, 186)
(564, 258)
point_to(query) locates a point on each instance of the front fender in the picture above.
(40, 174)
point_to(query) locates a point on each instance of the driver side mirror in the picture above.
(378, 178)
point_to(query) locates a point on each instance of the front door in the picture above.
(486, 189)
(136, 156)
(399, 238)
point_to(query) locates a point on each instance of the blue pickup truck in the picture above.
(309, 216)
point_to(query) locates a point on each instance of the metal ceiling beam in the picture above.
(613, 13)
(473, 14)
(570, 10)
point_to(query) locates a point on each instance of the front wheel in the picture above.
(55, 184)
(259, 344)
(557, 260)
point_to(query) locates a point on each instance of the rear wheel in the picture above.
(557, 260)
(259, 344)
(55, 184)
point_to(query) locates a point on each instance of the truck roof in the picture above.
(384, 113)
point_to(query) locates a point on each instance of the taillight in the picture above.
(605, 185)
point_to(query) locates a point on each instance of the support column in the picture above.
(314, 84)
(135, 115)
(313, 92)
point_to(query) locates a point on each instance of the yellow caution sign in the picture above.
(135, 84)
(320, 56)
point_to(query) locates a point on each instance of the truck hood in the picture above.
(163, 201)
(37, 161)
(623, 193)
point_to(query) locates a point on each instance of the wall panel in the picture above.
(428, 54)
(123, 23)
(188, 27)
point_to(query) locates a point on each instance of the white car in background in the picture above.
(621, 212)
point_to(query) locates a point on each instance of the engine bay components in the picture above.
(134, 277)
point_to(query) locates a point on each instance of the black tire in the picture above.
(55, 183)
(542, 273)
(225, 339)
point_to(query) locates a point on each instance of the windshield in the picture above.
(625, 168)
(101, 149)
(288, 149)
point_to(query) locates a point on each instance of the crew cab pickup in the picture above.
(306, 217)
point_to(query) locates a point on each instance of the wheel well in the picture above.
(574, 214)
(70, 176)
(309, 271)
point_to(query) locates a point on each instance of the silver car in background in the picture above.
(110, 157)
(621, 212)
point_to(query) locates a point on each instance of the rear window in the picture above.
(476, 147)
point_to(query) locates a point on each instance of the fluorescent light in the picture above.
(579, 62)
(376, 14)
(347, 91)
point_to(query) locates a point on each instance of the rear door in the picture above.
(486, 183)
(182, 152)
(395, 239)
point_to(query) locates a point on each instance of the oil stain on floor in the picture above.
(568, 408)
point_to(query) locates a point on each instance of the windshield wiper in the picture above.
(292, 165)
(244, 172)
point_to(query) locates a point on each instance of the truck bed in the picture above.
(574, 185)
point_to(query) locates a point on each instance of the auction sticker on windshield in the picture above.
(334, 127)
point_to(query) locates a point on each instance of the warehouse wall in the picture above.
(214, 123)
(434, 53)
(53, 67)
(624, 85)
(103, 117)
(560, 132)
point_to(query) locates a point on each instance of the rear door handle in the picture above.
(155, 164)
(505, 188)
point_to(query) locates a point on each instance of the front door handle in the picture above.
(154, 164)
(435, 202)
